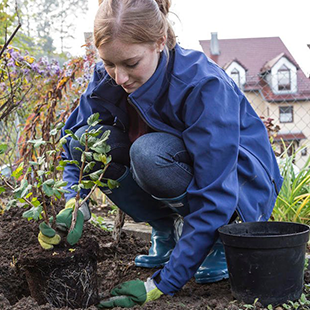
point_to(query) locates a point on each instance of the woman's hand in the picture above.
(131, 293)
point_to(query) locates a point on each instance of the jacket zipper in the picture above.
(141, 115)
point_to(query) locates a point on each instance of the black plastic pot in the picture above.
(265, 260)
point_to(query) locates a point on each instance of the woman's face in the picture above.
(130, 65)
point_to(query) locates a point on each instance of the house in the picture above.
(273, 82)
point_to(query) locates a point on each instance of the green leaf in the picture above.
(41, 159)
(78, 149)
(37, 143)
(2, 189)
(76, 188)
(22, 190)
(95, 132)
(28, 195)
(60, 125)
(99, 144)
(49, 182)
(51, 152)
(93, 120)
(95, 175)
(63, 141)
(91, 141)
(18, 171)
(100, 184)
(47, 189)
(88, 184)
(112, 184)
(11, 203)
(57, 193)
(3, 148)
(88, 156)
(82, 139)
(62, 163)
(62, 190)
(100, 150)
(72, 134)
(35, 202)
(60, 184)
(60, 168)
(54, 132)
(89, 167)
(72, 162)
(109, 158)
(107, 148)
(105, 135)
(34, 213)
(40, 172)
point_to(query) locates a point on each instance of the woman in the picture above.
(184, 142)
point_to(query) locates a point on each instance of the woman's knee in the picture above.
(155, 166)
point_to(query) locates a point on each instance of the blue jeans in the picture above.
(159, 162)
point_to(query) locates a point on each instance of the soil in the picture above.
(115, 265)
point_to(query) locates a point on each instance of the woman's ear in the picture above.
(161, 43)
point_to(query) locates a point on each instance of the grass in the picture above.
(293, 202)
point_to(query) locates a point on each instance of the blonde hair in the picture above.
(133, 21)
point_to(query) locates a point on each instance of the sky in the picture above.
(194, 20)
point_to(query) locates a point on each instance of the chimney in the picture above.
(214, 47)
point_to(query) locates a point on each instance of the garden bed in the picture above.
(115, 265)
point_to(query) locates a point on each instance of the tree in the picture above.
(49, 21)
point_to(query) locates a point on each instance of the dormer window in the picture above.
(281, 75)
(237, 72)
(284, 78)
(235, 75)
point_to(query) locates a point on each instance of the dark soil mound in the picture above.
(115, 265)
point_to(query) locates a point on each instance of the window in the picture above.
(284, 78)
(286, 114)
(304, 152)
(235, 75)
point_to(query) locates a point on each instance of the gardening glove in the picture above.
(131, 293)
(64, 218)
(47, 236)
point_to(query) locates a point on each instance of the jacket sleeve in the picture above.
(211, 115)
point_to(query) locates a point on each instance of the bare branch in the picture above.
(9, 40)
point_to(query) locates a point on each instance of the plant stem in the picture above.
(77, 197)
(54, 176)
(45, 211)
(9, 40)
(118, 225)
(77, 205)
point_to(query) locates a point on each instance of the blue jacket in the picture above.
(234, 165)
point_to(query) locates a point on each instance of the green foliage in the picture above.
(100, 222)
(293, 202)
(37, 186)
(95, 153)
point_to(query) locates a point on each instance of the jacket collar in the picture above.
(154, 86)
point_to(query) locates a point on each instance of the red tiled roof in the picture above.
(237, 61)
(290, 136)
(254, 54)
(269, 64)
